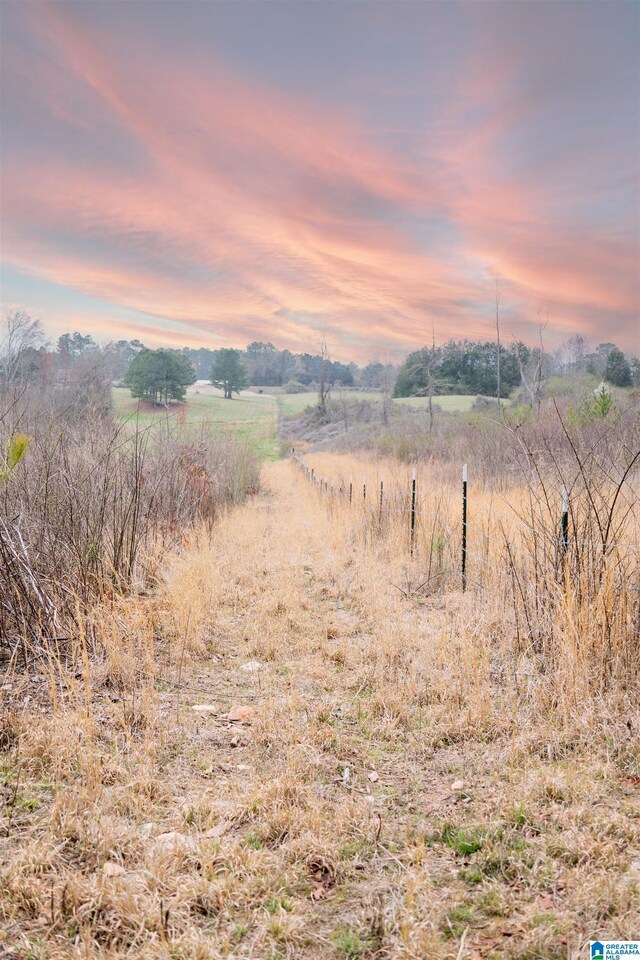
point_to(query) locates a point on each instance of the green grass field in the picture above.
(253, 416)
(292, 404)
(456, 403)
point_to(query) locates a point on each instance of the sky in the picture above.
(208, 174)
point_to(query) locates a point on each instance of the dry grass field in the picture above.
(303, 744)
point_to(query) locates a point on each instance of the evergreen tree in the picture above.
(228, 372)
(159, 376)
(74, 345)
(617, 370)
(461, 367)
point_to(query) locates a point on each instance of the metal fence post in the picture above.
(464, 528)
(564, 521)
(413, 509)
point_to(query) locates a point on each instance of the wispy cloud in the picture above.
(231, 208)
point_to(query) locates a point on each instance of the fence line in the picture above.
(409, 504)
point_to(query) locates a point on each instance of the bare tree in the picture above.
(498, 293)
(344, 405)
(427, 365)
(571, 355)
(24, 334)
(532, 379)
(324, 387)
(542, 325)
(430, 378)
(384, 383)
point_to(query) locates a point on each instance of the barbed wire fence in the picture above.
(413, 509)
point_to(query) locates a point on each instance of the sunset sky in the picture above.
(207, 174)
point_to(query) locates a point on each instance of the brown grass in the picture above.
(328, 826)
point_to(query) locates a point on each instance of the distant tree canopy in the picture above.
(72, 345)
(119, 355)
(460, 366)
(228, 372)
(159, 376)
(617, 369)
(378, 376)
(267, 366)
(22, 347)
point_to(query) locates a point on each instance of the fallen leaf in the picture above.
(457, 785)
(546, 903)
(220, 829)
(513, 931)
(172, 842)
(320, 892)
(373, 776)
(240, 713)
(113, 869)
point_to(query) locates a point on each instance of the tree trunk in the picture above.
(498, 340)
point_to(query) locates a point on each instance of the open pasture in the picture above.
(251, 416)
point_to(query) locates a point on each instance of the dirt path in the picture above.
(328, 783)
(366, 802)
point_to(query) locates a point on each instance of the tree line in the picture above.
(26, 352)
(468, 367)
(159, 376)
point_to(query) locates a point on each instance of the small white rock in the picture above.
(172, 842)
(457, 785)
(204, 708)
(251, 667)
(373, 776)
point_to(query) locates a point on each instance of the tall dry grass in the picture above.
(139, 827)
(93, 506)
(569, 616)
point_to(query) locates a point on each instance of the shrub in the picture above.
(89, 499)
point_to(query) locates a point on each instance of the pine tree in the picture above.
(617, 371)
(228, 372)
(159, 376)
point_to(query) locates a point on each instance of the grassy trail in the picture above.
(383, 798)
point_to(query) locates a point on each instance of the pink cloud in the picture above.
(251, 213)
